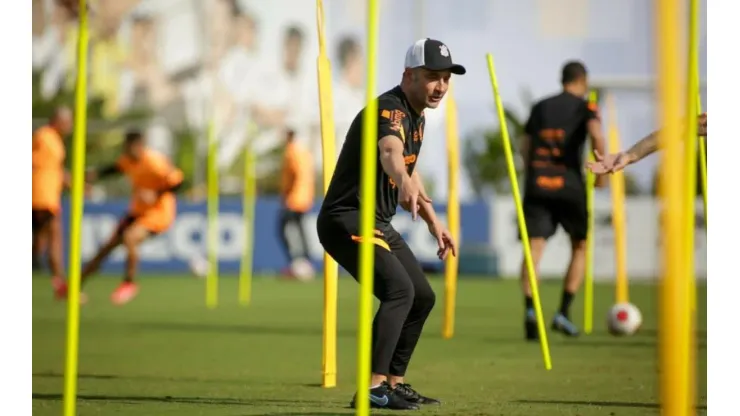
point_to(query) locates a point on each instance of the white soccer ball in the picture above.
(302, 269)
(199, 266)
(624, 319)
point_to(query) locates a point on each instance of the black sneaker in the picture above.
(383, 397)
(412, 396)
(563, 324)
(530, 326)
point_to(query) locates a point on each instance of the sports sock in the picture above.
(565, 302)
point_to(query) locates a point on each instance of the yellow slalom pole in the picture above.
(78, 204)
(249, 201)
(690, 154)
(619, 222)
(702, 159)
(588, 295)
(453, 215)
(674, 322)
(520, 215)
(328, 156)
(212, 202)
(367, 215)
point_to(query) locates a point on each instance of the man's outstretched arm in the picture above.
(649, 144)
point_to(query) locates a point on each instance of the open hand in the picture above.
(445, 243)
(609, 163)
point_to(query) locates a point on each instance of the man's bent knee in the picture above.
(401, 291)
(424, 299)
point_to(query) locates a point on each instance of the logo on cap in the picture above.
(444, 51)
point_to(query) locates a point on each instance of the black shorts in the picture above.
(395, 264)
(543, 215)
(40, 218)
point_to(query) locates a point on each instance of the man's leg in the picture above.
(284, 223)
(94, 264)
(40, 224)
(540, 227)
(423, 303)
(575, 274)
(55, 247)
(303, 252)
(573, 216)
(40, 243)
(114, 241)
(395, 291)
(132, 237)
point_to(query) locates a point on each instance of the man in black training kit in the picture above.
(555, 190)
(399, 282)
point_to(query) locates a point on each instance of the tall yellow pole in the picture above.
(619, 222)
(78, 189)
(453, 215)
(674, 297)
(329, 156)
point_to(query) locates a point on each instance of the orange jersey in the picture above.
(48, 169)
(152, 172)
(297, 178)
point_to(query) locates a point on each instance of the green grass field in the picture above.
(167, 354)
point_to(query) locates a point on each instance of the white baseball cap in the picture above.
(433, 55)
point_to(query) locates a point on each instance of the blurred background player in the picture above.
(555, 191)
(297, 195)
(152, 210)
(48, 179)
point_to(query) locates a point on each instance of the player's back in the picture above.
(47, 174)
(297, 181)
(558, 127)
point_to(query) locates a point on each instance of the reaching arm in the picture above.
(171, 178)
(642, 148)
(104, 172)
(597, 146)
(649, 144)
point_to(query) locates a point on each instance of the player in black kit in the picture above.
(399, 282)
(555, 192)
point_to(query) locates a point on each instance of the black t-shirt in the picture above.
(557, 128)
(395, 118)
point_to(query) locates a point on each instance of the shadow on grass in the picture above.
(348, 412)
(594, 340)
(219, 401)
(84, 376)
(634, 405)
(239, 329)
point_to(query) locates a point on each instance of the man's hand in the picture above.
(148, 196)
(445, 243)
(702, 127)
(609, 163)
(410, 194)
(422, 197)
